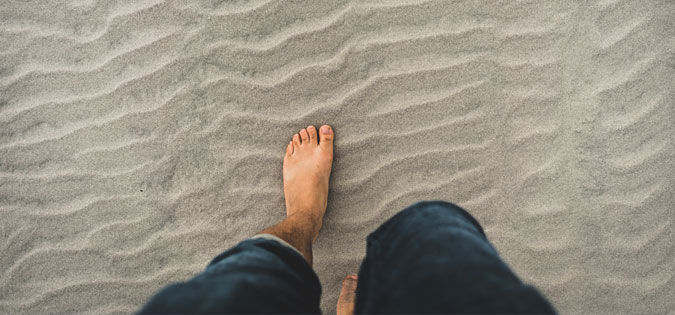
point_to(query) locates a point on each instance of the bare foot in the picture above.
(345, 304)
(307, 166)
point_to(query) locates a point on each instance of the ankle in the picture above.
(306, 221)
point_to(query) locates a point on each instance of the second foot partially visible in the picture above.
(345, 304)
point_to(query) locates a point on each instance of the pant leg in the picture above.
(256, 276)
(433, 257)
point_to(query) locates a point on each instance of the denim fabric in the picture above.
(432, 257)
(257, 276)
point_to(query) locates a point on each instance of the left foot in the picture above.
(307, 166)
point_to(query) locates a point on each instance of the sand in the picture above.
(138, 139)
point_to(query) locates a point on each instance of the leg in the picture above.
(269, 273)
(433, 257)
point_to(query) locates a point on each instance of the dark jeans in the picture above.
(432, 257)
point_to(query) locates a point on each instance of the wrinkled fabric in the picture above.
(432, 257)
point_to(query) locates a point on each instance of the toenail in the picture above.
(325, 130)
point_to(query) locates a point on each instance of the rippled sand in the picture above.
(138, 139)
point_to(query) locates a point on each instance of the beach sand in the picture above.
(139, 139)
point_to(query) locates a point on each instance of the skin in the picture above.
(307, 166)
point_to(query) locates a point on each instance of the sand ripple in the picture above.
(138, 139)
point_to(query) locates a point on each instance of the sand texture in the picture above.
(139, 139)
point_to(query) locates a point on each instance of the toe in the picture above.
(326, 138)
(311, 130)
(345, 303)
(304, 136)
(289, 148)
(296, 142)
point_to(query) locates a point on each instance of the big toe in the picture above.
(345, 305)
(326, 136)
